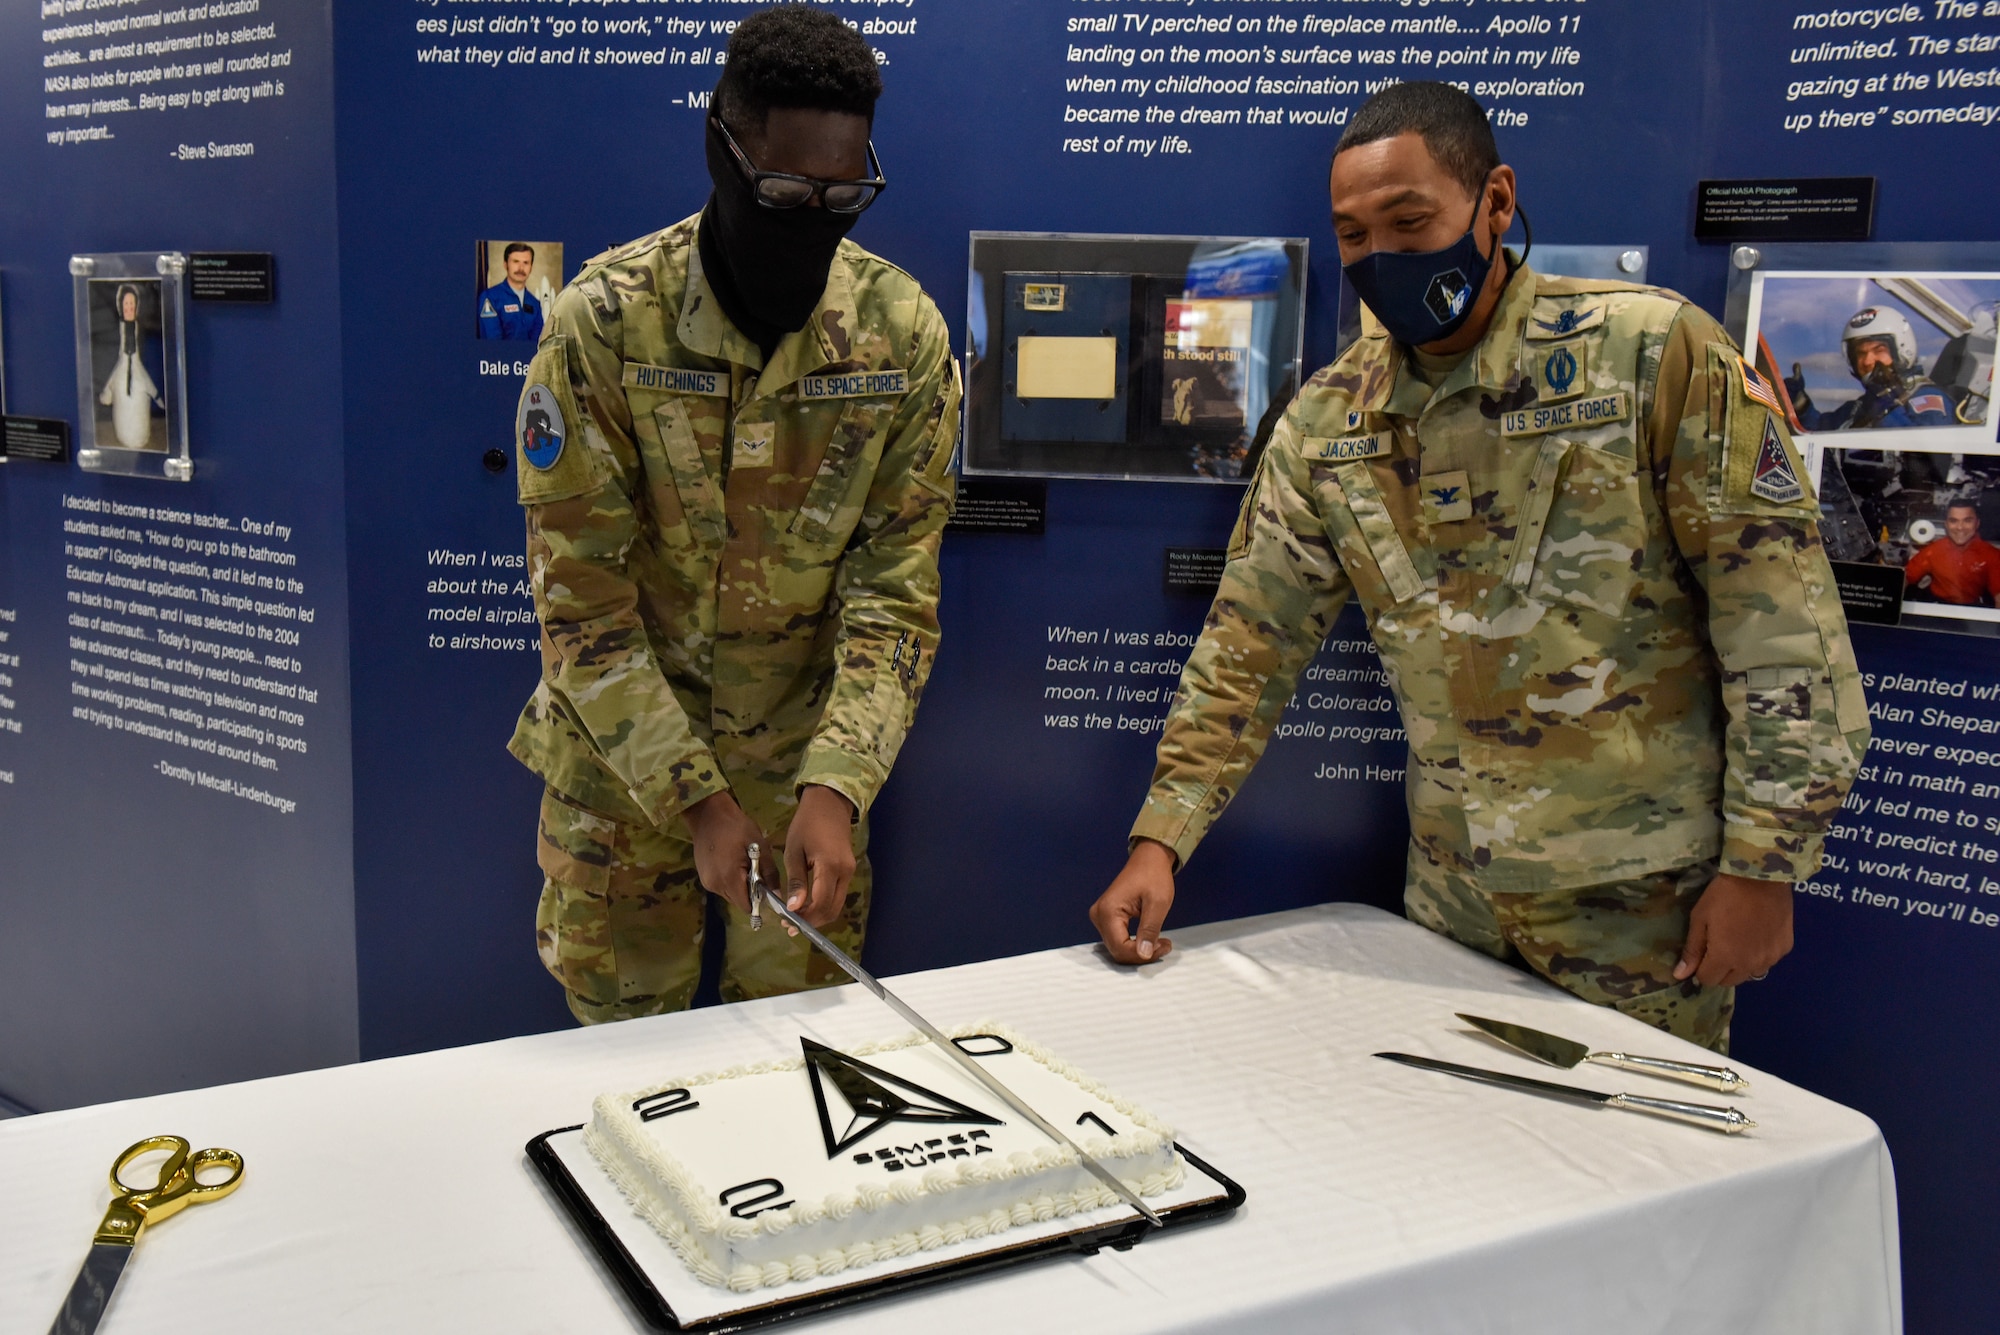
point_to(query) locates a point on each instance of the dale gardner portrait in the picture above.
(517, 281)
(128, 363)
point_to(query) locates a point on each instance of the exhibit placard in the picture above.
(1818, 208)
(236, 275)
(41, 438)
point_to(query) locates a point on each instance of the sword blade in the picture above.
(956, 1053)
(92, 1290)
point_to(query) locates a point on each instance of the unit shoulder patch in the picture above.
(1774, 478)
(555, 462)
(541, 428)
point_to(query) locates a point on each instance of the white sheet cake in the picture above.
(828, 1161)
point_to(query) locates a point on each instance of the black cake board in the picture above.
(669, 1296)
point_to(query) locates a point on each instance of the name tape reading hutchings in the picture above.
(675, 380)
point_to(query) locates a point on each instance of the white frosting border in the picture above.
(616, 1139)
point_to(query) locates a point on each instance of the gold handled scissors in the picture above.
(177, 1186)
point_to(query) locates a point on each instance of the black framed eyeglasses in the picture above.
(782, 190)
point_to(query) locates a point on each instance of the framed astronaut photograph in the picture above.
(1884, 371)
(1163, 358)
(131, 373)
(516, 282)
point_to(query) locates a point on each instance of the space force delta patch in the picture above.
(1340, 449)
(1774, 479)
(1577, 414)
(854, 385)
(675, 380)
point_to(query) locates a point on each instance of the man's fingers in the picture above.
(1112, 916)
(1152, 916)
(829, 890)
(1696, 948)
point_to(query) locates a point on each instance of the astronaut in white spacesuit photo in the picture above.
(129, 387)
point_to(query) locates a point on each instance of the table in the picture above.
(394, 1195)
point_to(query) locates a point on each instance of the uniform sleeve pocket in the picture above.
(1581, 530)
(1775, 707)
(1364, 533)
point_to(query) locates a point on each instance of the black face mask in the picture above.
(768, 267)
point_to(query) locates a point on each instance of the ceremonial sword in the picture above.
(762, 895)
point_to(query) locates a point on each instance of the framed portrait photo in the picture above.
(131, 364)
(1882, 358)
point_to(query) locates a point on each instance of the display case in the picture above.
(131, 364)
(1162, 358)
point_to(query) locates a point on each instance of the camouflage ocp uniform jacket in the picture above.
(1590, 561)
(734, 563)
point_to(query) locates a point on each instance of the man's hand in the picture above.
(819, 855)
(1144, 890)
(722, 838)
(1738, 930)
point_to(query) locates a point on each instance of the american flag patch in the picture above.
(1758, 388)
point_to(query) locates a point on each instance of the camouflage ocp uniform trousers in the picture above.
(623, 915)
(1614, 944)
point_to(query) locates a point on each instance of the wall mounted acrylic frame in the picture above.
(1906, 462)
(131, 364)
(1155, 358)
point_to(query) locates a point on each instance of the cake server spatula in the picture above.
(1568, 1053)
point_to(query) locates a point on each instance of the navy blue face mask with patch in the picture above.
(1424, 296)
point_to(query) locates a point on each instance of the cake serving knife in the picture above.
(1567, 1053)
(1729, 1121)
(763, 897)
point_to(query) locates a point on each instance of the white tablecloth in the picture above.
(394, 1195)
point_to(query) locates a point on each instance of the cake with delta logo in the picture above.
(832, 1161)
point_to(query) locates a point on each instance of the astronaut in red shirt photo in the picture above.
(1960, 567)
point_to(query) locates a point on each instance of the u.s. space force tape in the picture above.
(1577, 414)
(854, 384)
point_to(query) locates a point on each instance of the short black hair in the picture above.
(795, 56)
(1453, 125)
(1963, 504)
(508, 253)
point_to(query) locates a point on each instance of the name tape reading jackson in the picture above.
(855, 385)
(1595, 411)
(675, 380)
(1340, 448)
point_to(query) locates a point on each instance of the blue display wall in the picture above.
(378, 897)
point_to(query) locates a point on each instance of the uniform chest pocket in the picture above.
(832, 505)
(1582, 529)
(686, 498)
(1364, 534)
